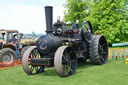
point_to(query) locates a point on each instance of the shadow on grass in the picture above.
(49, 72)
(52, 72)
(81, 65)
(84, 65)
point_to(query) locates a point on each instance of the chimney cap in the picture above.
(48, 6)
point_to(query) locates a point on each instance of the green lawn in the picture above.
(113, 73)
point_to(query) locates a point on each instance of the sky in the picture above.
(28, 16)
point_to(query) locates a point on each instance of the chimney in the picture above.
(49, 19)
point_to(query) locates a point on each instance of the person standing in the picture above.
(76, 27)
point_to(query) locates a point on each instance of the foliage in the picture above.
(75, 10)
(108, 17)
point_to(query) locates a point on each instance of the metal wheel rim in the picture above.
(28, 68)
(88, 29)
(103, 50)
(7, 58)
(65, 65)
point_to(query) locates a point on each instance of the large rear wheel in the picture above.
(65, 61)
(98, 50)
(31, 52)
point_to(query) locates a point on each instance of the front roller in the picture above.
(65, 61)
(30, 69)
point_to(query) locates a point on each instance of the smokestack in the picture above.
(49, 18)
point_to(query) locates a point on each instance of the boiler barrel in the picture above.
(48, 43)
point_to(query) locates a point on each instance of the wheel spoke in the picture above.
(66, 53)
(70, 68)
(67, 56)
(104, 52)
(33, 54)
(69, 53)
(32, 68)
(36, 53)
(102, 58)
(36, 68)
(64, 57)
(65, 69)
(103, 45)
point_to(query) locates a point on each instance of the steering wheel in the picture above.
(86, 31)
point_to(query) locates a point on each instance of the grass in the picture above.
(112, 73)
(119, 47)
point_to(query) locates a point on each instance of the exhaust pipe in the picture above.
(49, 19)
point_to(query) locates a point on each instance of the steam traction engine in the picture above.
(61, 48)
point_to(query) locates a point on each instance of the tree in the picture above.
(108, 17)
(75, 10)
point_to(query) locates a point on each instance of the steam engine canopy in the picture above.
(47, 43)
